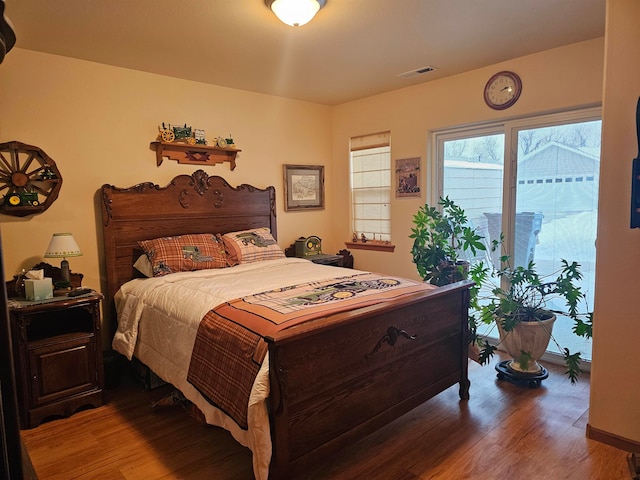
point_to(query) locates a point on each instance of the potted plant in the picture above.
(440, 237)
(520, 308)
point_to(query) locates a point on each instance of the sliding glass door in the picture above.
(556, 205)
(535, 181)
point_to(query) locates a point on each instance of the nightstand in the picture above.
(57, 351)
(323, 259)
(342, 259)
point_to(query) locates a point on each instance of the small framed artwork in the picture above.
(303, 187)
(408, 177)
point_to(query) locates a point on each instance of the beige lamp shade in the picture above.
(62, 245)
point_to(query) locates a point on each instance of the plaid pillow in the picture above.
(185, 253)
(251, 246)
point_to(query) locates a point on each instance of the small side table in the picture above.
(324, 259)
(342, 259)
(57, 352)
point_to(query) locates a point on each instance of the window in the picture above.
(371, 186)
(495, 173)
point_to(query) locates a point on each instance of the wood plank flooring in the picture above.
(504, 431)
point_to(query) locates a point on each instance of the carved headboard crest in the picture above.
(200, 183)
(199, 180)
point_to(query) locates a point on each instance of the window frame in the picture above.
(510, 128)
(360, 144)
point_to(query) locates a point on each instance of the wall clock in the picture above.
(502, 90)
(29, 179)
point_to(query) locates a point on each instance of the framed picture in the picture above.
(303, 187)
(408, 177)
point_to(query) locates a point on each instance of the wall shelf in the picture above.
(371, 245)
(30, 179)
(194, 154)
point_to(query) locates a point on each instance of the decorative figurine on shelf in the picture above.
(173, 133)
(166, 133)
(199, 135)
(355, 237)
(21, 199)
(363, 238)
(184, 134)
(47, 173)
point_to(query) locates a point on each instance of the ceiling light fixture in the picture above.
(295, 12)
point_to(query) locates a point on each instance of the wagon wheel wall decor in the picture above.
(29, 179)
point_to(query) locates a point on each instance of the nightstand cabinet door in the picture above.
(61, 367)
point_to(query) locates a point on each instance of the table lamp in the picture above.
(63, 245)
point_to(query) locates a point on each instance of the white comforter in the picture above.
(158, 319)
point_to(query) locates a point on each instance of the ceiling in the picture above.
(351, 49)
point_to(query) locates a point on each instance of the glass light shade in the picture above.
(62, 245)
(295, 12)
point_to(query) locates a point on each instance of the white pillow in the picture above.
(143, 265)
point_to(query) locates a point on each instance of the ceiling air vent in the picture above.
(418, 71)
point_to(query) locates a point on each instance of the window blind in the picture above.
(371, 186)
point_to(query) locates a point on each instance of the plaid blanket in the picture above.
(230, 347)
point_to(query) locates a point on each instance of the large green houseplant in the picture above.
(522, 300)
(442, 242)
(444, 239)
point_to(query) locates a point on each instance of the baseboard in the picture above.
(612, 439)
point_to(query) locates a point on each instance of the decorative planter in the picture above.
(530, 337)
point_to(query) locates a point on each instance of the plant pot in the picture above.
(463, 268)
(451, 272)
(530, 337)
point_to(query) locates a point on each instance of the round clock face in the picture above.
(502, 90)
(221, 142)
(313, 244)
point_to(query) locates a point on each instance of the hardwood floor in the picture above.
(504, 431)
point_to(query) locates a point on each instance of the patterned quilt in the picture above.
(230, 347)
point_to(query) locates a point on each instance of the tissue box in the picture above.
(35, 290)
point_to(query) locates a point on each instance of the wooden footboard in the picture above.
(336, 380)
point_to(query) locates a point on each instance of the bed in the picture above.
(324, 383)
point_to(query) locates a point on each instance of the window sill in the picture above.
(371, 245)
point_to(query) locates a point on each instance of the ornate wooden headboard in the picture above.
(196, 203)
